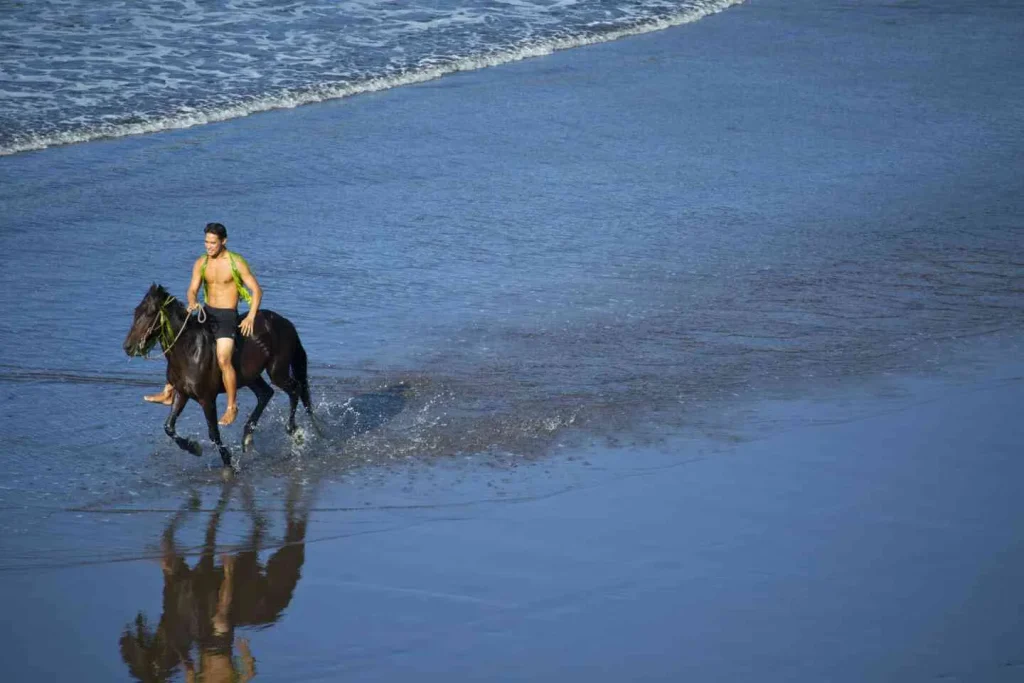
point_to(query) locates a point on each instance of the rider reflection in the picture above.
(204, 604)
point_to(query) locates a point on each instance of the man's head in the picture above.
(216, 238)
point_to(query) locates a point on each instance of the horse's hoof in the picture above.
(227, 473)
(247, 442)
(195, 448)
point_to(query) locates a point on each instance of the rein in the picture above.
(166, 331)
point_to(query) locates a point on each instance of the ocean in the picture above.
(526, 245)
(79, 70)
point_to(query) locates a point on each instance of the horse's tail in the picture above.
(299, 372)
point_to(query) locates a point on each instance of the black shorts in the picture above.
(223, 322)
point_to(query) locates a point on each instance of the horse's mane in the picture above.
(177, 311)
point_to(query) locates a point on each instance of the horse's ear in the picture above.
(156, 293)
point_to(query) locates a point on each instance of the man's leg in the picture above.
(226, 347)
(165, 397)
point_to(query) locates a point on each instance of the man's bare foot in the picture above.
(229, 415)
(166, 397)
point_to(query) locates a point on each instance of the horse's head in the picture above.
(148, 322)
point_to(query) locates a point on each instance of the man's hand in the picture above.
(246, 324)
(194, 306)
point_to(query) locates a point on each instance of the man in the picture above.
(222, 274)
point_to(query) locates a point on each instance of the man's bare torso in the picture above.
(222, 291)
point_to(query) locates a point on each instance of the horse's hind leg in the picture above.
(263, 393)
(280, 376)
(210, 411)
(300, 371)
(189, 445)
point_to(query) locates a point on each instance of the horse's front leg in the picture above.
(190, 445)
(210, 411)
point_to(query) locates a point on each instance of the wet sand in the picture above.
(872, 539)
(864, 534)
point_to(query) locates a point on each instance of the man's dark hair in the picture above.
(217, 229)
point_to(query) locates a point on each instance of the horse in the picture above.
(192, 369)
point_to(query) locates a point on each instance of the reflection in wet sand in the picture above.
(204, 603)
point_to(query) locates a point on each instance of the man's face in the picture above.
(214, 244)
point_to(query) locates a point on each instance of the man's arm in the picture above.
(193, 287)
(249, 280)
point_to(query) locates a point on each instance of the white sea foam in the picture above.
(284, 82)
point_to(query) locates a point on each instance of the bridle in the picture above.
(166, 337)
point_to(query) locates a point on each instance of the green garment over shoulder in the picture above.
(243, 293)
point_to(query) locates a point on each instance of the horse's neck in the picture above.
(176, 315)
(190, 337)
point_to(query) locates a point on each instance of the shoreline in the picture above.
(190, 117)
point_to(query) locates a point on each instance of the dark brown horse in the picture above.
(192, 367)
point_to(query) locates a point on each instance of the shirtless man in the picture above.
(222, 274)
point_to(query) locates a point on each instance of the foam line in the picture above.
(297, 97)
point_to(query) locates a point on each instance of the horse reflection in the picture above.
(204, 604)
